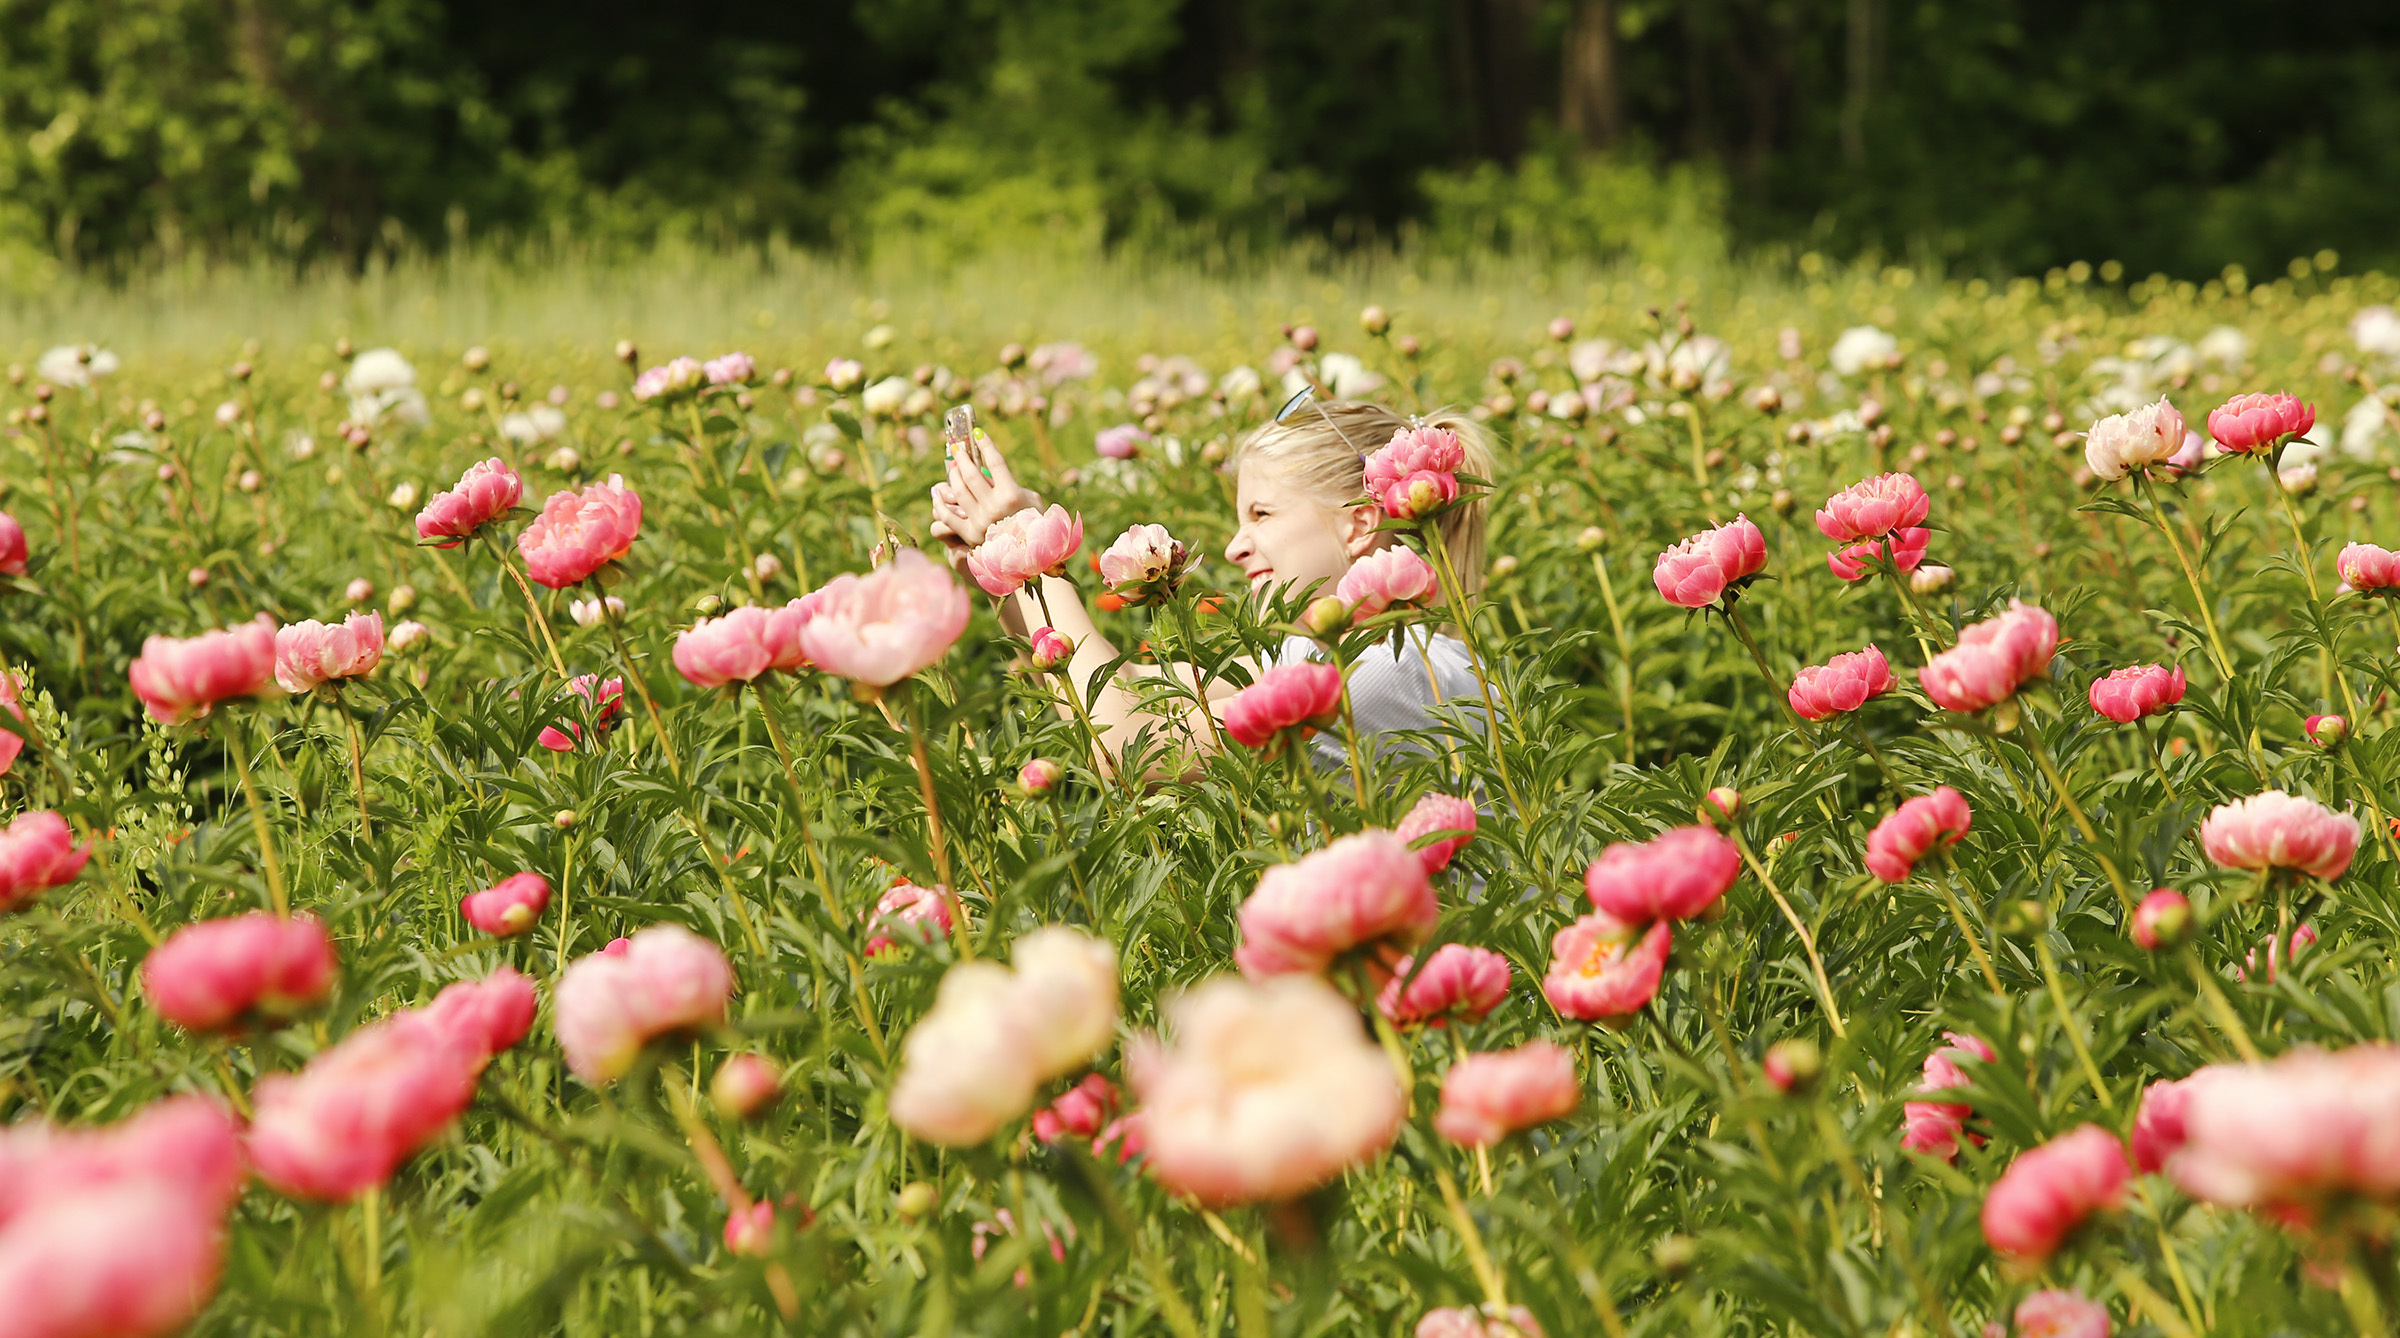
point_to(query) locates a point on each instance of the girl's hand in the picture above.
(950, 525)
(980, 493)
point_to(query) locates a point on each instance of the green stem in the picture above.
(2191, 574)
(358, 766)
(533, 606)
(1616, 623)
(1808, 941)
(1783, 694)
(1966, 928)
(2041, 758)
(278, 900)
(2227, 1020)
(2068, 1022)
(641, 686)
(933, 828)
(1462, 611)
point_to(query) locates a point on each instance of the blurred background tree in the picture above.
(1974, 134)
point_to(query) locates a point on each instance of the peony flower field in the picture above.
(537, 836)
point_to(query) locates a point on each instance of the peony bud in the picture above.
(1304, 338)
(916, 1199)
(564, 819)
(1374, 320)
(1039, 776)
(476, 358)
(1674, 1255)
(1722, 801)
(405, 638)
(1325, 616)
(744, 1086)
(627, 353)
(1793, 1065)
(1562, 329)
(1931, 579)
(1591, 539)
(2163, 920)
(2327, 730)
(359, 591)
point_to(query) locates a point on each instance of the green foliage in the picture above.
(1559, 204)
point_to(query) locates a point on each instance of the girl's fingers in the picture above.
(996, 465)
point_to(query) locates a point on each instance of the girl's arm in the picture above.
(965, 507)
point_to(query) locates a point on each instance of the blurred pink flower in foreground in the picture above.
(892, 622)
(2128, 694)
(2274, 830)
(750, 1232)
(1601, 967)
(995, 1035)
(1488, 1096)
(2048, 1192)
(308, 653)
(2292, 1136)
(2248, 423)
(1915, 829)
(220, 973)
(509, 906)
(605, 701)
(1439, 813)
(1288, 696)
(13, 551)
(1268, 1090)
(745, 643)
(1843, 683)
(1676, 875)
(344, 1123)
(1485, 1321)
(1992, 659)
(37, 853)
(578, 533)
(11, 700)
(1366, 890)
(485, 493)
(611, 1004)
(2061, 1314)
(181, 678)
(1025, 547)
(1873, 508)
(117, 1232)
(1933, 1127)
(1905, 550)
(2129, 443)
(2158, 1126)
(1696, 572)
(1457, 981)
(1394, 578)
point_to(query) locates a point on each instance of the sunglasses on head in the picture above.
(1308, 395)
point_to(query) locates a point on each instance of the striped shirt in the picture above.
(1391, 692)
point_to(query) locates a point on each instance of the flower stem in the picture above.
(1783, 694)
(1191, 650)
(1808, 941)
(279, 901)
(533, 607)
(1471, 1241)
(1917, 621)
(2141, 725)
(358, 766)
(2068, 1022)
(566, 903)
(2227, 1020)
(2191, 574)
(2041, 758)
(1616, 623)
(1462, 610)
(641, 687)
(933, 828)
(1966, 927)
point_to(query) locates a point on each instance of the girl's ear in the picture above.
(1359, 535)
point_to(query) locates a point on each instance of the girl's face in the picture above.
(1288, 539)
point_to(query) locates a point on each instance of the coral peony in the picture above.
(2128, 694)
(2290, 1133)
(1918, 827)
(2275, 830)
(1676, 875)
(910, 913)
(1366, 890)
(743, 1086)
(1843, 683)
(1486, 1097)
(1484, 1321)
(14, 553)
(487, 1015)
(1905, 550)
(578, 533)
(1934, 1127)
(309, 653)
(1269, 1090)
(1066, 989)
(1051, 648)
(1432, 452)
(745, 643)
(1874, 508)
(2249, 423)
(509, 906)
(1289, 696)
(730, 369)
(181, 678)
(344, 1123)
(611, 1004)
(1144, 565)
(485, 493)
(1697, 572)
(1439, 813)
(1025, 547)
(1395, 578)
(2130, 443)
(37, 853)
(675, 377)
(892, 622)
(605, 701)
(1601, 967)
(2061, 1314)
(2158, 1126)
(221, 973)
(2048, 1192)
(1992, 659)
(1458, 981)
(2369, 570)
(2162, 920)
(1083, 1111)
(750, 1232)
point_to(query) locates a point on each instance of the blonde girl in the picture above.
(1297, 533)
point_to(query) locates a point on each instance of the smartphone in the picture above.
(961, 438)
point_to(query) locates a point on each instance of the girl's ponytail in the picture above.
(1323, 447)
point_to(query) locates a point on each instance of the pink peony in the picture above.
(1676, 875)
(745, 643)
(2291, 1134)
(1486, 1097)
(1365, 890)
(344, 1123)
(2158, 1127)
(2369, 570)
(2128, 694)
(1915, 829)
(1419, 495)
(892, 622)
(1394, 578)
(1122, 442)
(485, 493)
(1934, 1127)
(309, 653)
(1066, 988)
(1696, 572)
(1144, 564)
(181, 678)
(2162, 920)
(1992, 659)
(218, 974)
(12, 701)
(1601, 967)
(1082, 1112)
(1843, 683)
(1288, 696)
(750, 1232)
(1025, 547)
(578, 533)
(13, 551)
(667, 379)
(1874, 508)
(2304, 937)
(2248, 423)
(731, 369)
(1905, 550)
(2048, 1192)
(487, 1015)
(2061, 1314)
(1270, 1089)
(2275, 830)
(745, 1085)
(2326, 730)
(611, 1004)
(919, 915)
(1458, 981)
(37, 852)
(509, 906)
(2129, 443)
(1439, 813)
(604, 700)
(1050, 649)
(1411, 451)
(1484, 1321)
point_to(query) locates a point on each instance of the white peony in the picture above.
(1862, 348)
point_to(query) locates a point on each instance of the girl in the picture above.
(1297, 534)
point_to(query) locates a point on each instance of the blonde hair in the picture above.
(1323, 448)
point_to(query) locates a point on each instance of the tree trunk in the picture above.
(1590, 104)
(1508, 76)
